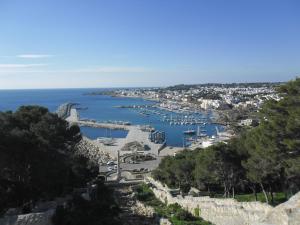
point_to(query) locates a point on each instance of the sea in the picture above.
(105, 108)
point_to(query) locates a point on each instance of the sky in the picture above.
(132, 43)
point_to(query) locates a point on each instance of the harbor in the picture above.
(144, 139)
(136, 134)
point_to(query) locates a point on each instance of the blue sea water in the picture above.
(99, 107)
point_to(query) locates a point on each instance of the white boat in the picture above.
(190, 132)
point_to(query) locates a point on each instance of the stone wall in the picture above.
(287, 213)
(232, 212)
(43, 218)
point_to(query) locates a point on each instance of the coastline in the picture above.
(215, 113)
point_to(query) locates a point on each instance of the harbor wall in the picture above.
(232, 212)
(64, 110)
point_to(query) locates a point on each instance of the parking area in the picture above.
(140, 166)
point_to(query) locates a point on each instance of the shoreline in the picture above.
(215, 113)
(212, 116)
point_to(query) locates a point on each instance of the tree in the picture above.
(37, 157)
(274, 146)
(205, 174)
(267, 156)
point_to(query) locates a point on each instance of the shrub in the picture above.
(197, 212)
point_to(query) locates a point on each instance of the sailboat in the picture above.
(199, 133)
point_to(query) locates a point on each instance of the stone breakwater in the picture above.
(232, 212)
(64, 110)
(93, 152)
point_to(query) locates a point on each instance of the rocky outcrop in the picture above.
(232, 212)
(164, 221)
(88, 149)
(140, 209)
(43, 218)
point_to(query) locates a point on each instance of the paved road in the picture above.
(150, 165)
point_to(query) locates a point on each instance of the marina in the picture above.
(116, 112)
(136, 134)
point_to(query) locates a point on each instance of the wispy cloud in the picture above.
(112, 70)
(34, 56)
(16, 66)
(21, 68)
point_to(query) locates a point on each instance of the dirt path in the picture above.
(128, 205)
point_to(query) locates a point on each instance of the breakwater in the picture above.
(64, 110)
(136, 133)
(74, 118)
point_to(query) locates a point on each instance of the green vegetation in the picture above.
(101, 210)
(263, 159)
(278, 197)
(38, 163)
(173, 212)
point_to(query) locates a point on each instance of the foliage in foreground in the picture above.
(101, 210)
(37, 160)
(173, 212)
(265, 158)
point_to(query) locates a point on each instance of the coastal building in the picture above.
(209, 103)
(158, 137)
(246, 122)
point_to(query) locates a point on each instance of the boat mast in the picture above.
(217, 131)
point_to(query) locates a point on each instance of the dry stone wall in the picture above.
(43, 218)
(232, 212)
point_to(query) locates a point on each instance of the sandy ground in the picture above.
(170, 151)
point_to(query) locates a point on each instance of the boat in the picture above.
(202, 135)
(190, 132)
(190, 139)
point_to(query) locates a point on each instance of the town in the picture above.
(233, 103)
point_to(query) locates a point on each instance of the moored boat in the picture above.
(190, 132)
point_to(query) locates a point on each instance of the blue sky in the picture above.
(125, 43)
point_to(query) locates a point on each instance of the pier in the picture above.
(64, 110)
(74, 118)
(136, 133)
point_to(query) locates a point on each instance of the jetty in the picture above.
(64, 110)
(136, 134)
(74, 118)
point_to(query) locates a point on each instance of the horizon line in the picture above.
(123, 87)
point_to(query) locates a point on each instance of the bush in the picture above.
(197, 212)
(98, 211)
(174, 212)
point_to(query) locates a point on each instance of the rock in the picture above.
(88, 149)
(287, 213)
(164, 221)
(140, 209)
(28, 219)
